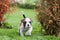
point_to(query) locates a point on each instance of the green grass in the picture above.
(14, 20)
(32, 1)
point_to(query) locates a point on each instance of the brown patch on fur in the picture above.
(23, 21)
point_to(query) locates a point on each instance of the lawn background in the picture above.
(14, 20)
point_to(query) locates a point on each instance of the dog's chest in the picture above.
(25, 29)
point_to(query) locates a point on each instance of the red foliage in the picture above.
(4, 7)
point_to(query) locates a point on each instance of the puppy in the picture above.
(25, 27)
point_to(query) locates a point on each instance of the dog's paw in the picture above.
(21, 35)
(28, 34)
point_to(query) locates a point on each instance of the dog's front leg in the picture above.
(29, 31)
(21, 32)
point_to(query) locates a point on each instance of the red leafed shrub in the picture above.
(49, 16)
(4, 7)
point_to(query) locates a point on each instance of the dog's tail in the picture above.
(23, 14)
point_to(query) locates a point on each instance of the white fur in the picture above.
(22, 29)
(27, 22)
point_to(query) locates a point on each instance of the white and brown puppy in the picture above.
(25, 27)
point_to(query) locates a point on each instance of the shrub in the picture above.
(49, 16)
(4, 7)
(26, 5)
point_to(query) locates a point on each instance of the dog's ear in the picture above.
(22, 20)
(31, 20)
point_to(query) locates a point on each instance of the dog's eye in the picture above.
(29, 22)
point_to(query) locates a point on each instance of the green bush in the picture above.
(26, 5)
(30, 4)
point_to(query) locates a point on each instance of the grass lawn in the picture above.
(14, 20)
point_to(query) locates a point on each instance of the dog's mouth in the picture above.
(27, 27)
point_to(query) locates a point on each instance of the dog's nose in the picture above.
(28, 25)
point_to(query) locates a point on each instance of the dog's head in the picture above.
(27, 22)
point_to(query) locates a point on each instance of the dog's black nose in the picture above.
(28, 25)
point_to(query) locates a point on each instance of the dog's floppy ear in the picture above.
(31, 20)
(22, 20)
